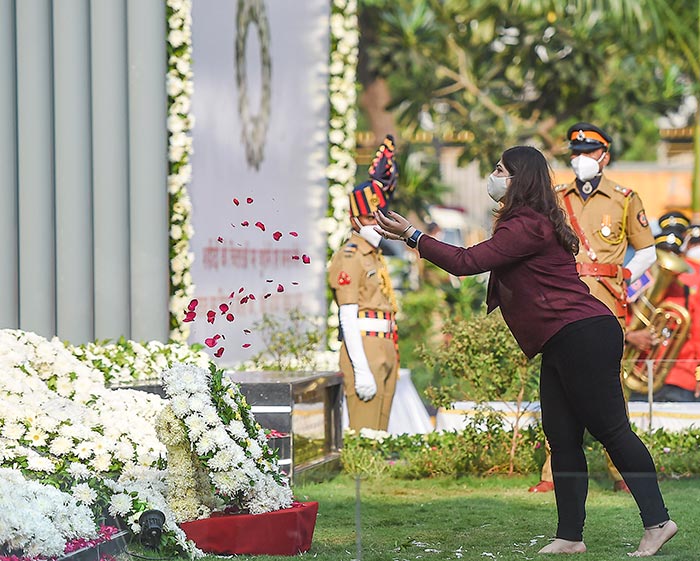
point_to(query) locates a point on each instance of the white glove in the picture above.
(365, 386)
(641, 261)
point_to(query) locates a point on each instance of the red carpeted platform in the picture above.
(282, 532)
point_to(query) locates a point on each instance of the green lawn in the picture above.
(481, 519)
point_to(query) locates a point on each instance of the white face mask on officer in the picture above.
(585, 167)
(496, 185)
(368, 232)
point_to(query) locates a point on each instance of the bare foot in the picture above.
(564, 546)
(654, 538)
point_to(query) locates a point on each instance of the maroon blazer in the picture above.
(533, 278)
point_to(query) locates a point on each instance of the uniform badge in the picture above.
(350, 249)
(587, 188)
(343, 278)
(642, 218)
(605, 226)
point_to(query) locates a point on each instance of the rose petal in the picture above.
(236, 202)
(241, 289)
(210, 342)
(267, 295)
(277, 235)
(294, 234)
(219, 352)
(223, 308)
(245, 345)
(244, 300)
(269, 280)
(249, 200)
(296, 257)
(251, 296)
(230, 317)
(295, 283)
(260, 225)
(193, 304)
(306, 259)
(220, 239)
(245, 223)
(280, 288)
(246, 331)
(189, 316)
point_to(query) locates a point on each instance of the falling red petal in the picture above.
(306, 259)
(269, 280)
(189, 316)
(220, 239)
(223, 308)
(241, 289)
(280, 288)
(219, 352)
(293, 234)
(277, 235)
(193, 304)
(210, 342)
(260, 225)
(244, 300)
(267, 295)
(230, 317)
(245, 223)
(295, 283)
(249, 200)
(295, 257)
(246, 331)
(251, 296)
(245, 345)
(236, 202)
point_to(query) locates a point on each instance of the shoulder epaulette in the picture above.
(624, 190)
(560, 187)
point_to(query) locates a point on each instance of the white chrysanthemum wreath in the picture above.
(225, 438)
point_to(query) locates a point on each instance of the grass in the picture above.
(481, 518)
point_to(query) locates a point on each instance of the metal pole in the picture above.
(358, 525)
(650, 391)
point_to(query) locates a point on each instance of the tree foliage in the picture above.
(522, 71)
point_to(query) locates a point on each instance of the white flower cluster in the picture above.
(127, 362)
(39, 519)
(180, 123)
(343, 119)
(234, 449)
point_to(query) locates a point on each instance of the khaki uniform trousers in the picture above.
(382, 359)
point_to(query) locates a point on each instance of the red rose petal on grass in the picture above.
(251, 296)
(219, 352)
(267, 296)
(306, 259)
(296, 257)
(249, 200)
(260, 225)
(280, 288)
(277, 235)
(245, 223)
(244, 300)
(294, 234)
(245, 345)
(230, 317)
(220, 239)
(236, 202)
(192, 305)
(189, 316)
(247, 331)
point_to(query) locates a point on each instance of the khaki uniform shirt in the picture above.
(358, 275)
(612, 218)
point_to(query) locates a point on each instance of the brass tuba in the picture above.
(668, 320)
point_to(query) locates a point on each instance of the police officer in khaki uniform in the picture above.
(607, 218)
(362, 289)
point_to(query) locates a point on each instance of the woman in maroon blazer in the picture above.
(550, 310)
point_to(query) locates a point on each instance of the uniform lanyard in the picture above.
(579, 232)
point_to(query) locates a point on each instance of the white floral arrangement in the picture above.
(39, 520)
(180, 122)
(226, 439)
(125, 362)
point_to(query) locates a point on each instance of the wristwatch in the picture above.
(412, 241)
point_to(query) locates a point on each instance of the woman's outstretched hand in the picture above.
(393, 226)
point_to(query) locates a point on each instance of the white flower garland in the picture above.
(226, 438)
(180, 123)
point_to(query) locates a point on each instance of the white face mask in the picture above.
(586, 168)
(368, 233)
(497, 187)
(693, 252)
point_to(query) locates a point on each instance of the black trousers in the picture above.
(580, 389)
